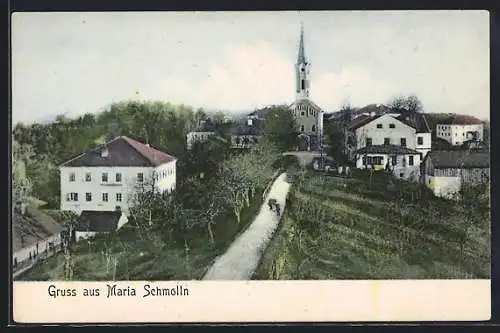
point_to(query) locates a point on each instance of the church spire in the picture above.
(301, 59)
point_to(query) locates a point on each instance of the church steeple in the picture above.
(302, 69)
(301, 59)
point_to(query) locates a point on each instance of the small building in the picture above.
(457, 129)
(445, 171)
(403, 162)
(248, 134)
(91, 223)
(35, 235)
(200, 133)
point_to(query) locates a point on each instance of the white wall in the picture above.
(457, 134)
(407, 172)
(84, 235)
(167, 176)
(24, 253)
(122, 221)
(192, 137)
(444, 187)
(427, 143)
(377, 135)
(96, 187)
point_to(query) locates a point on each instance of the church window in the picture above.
(302, 113)
(313, 128)
(302, 84)
(302, 69)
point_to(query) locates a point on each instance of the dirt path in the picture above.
(241, 259)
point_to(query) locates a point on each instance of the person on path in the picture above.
(278, 209)
(270, 204)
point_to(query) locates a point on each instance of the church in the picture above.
(308, 115)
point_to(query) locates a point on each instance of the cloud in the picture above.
(353, 84)
(253, 75)
(247, 76)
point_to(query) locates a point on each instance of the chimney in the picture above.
(105, 153)
(372, 114)
(147, 145)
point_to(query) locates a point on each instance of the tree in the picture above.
(21, 184)
(280, 128)
(336, 141)
(409, 103)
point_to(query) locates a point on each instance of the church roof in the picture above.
(306, 103)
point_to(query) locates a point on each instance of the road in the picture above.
(242, 258)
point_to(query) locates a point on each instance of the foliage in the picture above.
(409, 103)
(345, 230)
(280, 128)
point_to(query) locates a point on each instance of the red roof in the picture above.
(121, 151)
(155, 156)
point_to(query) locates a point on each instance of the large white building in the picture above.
(396, 141)
(459, 129)
(105, 178)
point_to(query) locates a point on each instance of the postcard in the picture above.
(316, 166)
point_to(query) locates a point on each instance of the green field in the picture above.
(377, 228)
(143, 259)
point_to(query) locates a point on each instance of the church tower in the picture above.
(302, 70)
(308, 115)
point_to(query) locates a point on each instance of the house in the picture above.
(201, 133)
(92, 222)
(396, 141)
(104, 178)
(403, 162)
(457, 129)
(444, 171)
(35, 235)
(248, 134)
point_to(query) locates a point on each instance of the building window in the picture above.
(105, 177)
(72, 196)
(302, 84)
(410, 161)
(394, 160)
(401, 175)
(403, 142)
(379, 125)
(140, 177)
(105, 197)
(88, 177)
(387, 141)
(118, 177)
(372, 160)
(313, 128)
(118, 197)
(302, 128)
(302, 113)
(88, 196)
(420, 140)
(72, 177)
(368, 142)
(392, 126)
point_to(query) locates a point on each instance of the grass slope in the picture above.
(339, 228)
(134, 258)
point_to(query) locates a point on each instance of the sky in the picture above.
(73, 63)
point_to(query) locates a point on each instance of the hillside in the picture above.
(338, 228)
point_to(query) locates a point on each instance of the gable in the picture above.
(385, 120)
